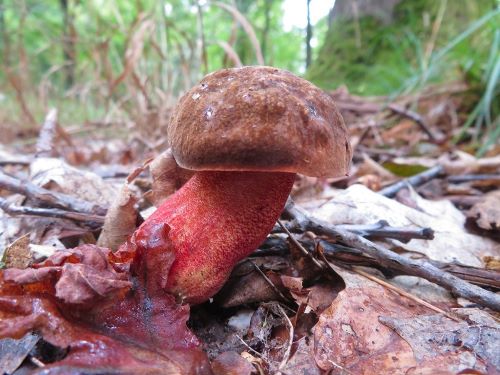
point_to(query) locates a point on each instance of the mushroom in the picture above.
(245, 132)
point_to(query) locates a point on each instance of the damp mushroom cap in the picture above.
(259, 118)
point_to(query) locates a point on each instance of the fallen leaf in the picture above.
(107, 308)
(13, 352)
(441, 343)
(231, 363)
(120, 221)
(486, 213)
(167, 175)
(451, 243)
(56, 174)
(18, 254)
(349, 337)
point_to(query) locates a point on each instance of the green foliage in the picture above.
(128, 56)
(384, 58)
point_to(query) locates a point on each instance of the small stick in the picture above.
(404, 293)
(473, 177)
(45, 145)
(380, 229)
(299, 245)
(391, 287)
(50, 212)
(37, 362)
(417, 180)
(271, 284)
(286, 356)
(48, 197)
(391, 259)
(417, 119)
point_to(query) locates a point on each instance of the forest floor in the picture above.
(393, 269)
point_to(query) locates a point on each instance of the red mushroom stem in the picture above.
(215, 220)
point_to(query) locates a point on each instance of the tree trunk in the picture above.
(308, 35)
(68, 43)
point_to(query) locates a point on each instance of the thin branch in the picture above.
(288, 350)
(405, 294)
(48, 197)
(349, 256)
(391, 287)
(299, 245)
(271, 284)
(380, 229)
(417, 180)
(391, 259)
(473, 177)
(417, 119)
(14, 210)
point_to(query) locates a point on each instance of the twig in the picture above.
(349, 256)
(380, 229)
(404, 293)
(299, 245)
(37, 362)
(391, 287)
(286, 356)
(271, 284)
(390, 259)
(48, 197)
(48, 134)
(416, 180)
(51, 212)
(417, 119)
(473, 177)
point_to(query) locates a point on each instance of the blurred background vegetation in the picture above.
(128, 61)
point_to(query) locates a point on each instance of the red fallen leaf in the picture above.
(108, 309)
(231, 363)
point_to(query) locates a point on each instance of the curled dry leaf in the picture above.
(107, 308)
(167, 175)
(460, 162)
(486, 213)
(120, 220)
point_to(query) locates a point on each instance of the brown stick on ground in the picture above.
(390, 259)
(93, 220)
(48, 197)
(380, 229)
(416, 180)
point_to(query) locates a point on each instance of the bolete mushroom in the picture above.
(246, 132)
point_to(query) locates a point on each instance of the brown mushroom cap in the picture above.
(259, 118)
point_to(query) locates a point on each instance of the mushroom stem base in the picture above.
(215, 220)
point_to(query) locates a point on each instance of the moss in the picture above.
(385, 56)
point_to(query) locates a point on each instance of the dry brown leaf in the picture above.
(167, 176)
(349, 336)
(14, 352)
(55, 174)
(486, 213)
(120, 221)
(302, 359)
(231, 363)
(18, 254)
(447, 345)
